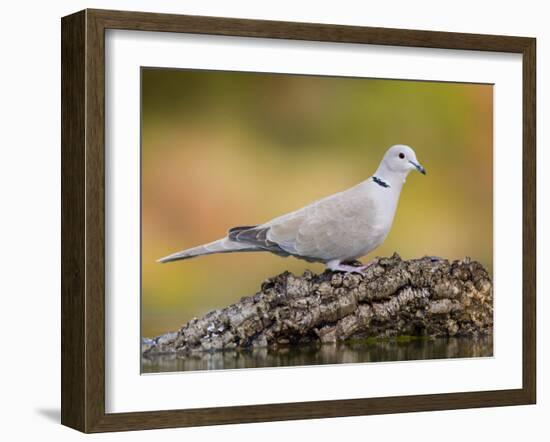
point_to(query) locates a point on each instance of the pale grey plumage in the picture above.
(332, 230)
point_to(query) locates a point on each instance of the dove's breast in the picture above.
(369, 226)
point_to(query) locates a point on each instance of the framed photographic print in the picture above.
(270, 220)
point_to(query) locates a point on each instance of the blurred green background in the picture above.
(221, 149)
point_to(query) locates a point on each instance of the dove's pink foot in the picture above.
(338, 266)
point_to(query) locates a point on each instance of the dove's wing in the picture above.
(341, 226)
(334, 228)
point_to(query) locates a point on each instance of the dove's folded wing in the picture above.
(332, 228)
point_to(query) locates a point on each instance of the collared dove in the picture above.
(333, 230)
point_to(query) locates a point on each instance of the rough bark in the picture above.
(422, 297)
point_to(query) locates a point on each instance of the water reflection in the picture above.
(343, 353)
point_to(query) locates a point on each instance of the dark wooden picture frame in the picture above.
(83, 220)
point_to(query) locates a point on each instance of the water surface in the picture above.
(356, 351)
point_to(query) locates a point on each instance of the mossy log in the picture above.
(421, 297)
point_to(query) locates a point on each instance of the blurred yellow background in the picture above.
(222, 149)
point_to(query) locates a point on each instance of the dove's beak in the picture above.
(418, 167)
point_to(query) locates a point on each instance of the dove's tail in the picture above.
(224, 245)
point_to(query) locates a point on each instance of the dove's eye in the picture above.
(401, 155)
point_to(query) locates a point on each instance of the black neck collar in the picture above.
(380, 181)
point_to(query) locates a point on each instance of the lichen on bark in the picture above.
(429, 296)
